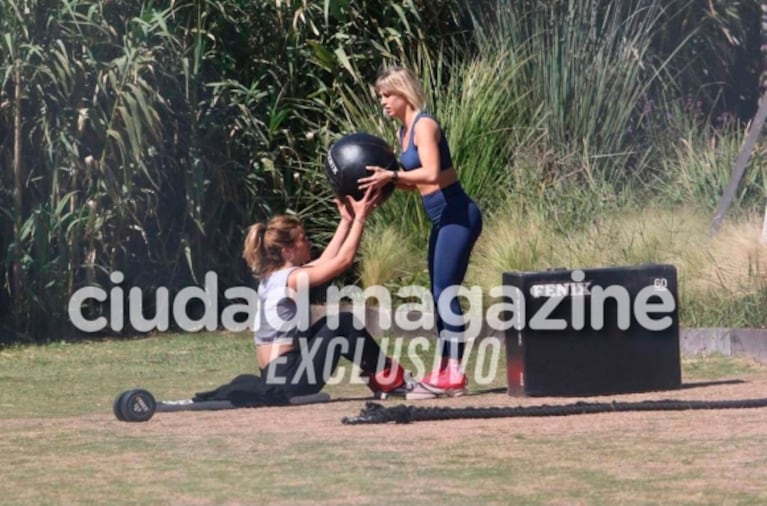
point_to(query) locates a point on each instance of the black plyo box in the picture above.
(607, 345)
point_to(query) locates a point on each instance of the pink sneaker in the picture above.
(449, 380)
(391, 381)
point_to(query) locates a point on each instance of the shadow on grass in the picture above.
(701, 384)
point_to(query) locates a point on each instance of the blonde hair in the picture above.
(402, 81)
(262, 250)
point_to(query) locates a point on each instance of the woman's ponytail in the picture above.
(262, 250)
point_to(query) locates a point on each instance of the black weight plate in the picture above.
(116, 405)
(138, 405)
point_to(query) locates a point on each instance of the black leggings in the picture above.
(307, 368)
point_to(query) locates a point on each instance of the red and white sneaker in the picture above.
(449, 380)
(391, 381)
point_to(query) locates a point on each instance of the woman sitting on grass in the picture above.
(301, 362)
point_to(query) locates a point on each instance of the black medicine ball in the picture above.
(348, 157)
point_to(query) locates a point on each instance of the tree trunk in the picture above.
(18, 197)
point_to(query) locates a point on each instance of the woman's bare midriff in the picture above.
(268, 352)
(445, 179)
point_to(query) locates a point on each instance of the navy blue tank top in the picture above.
(409, 157)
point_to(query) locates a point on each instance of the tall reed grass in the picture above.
(722, 279)
(145, 136)
(554, 134)
(480, 111)
(588, 65)
(695, 157)
(542, 111)
(151, 134)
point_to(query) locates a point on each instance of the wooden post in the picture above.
(740, 164)
(763, 239)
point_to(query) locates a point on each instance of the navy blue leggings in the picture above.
(456, 225)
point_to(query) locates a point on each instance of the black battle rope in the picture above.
(376, 413)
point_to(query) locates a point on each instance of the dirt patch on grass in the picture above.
(323, 421)
(304, 454)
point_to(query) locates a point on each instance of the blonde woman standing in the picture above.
(427, 168)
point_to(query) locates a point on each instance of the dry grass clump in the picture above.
(718, 269)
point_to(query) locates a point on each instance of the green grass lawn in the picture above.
(62, 445)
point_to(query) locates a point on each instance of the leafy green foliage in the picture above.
(150, 134)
